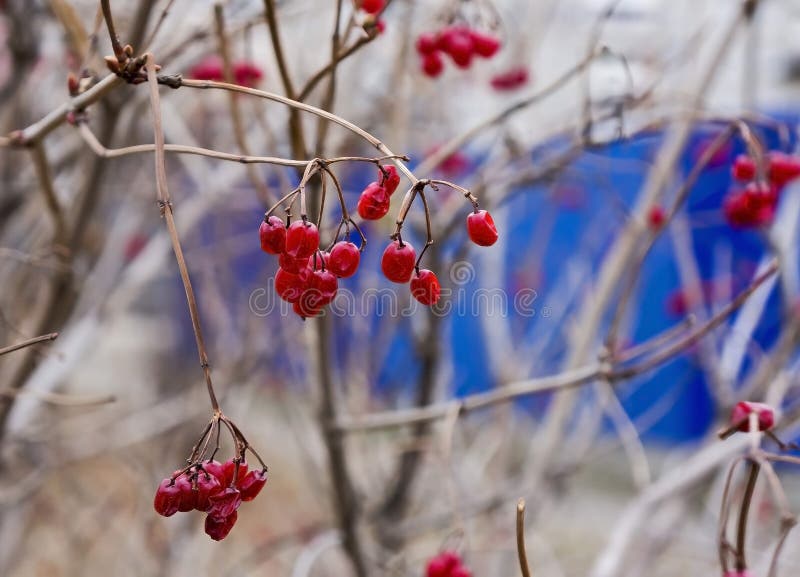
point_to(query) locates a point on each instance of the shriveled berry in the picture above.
(224, 503)
(215, 469)
(292, 264)
(427, 43)
(219, 528)
(231, 475)
(207, 485)
(389, 178)
(188, 495)
(167, 499)
(252, 484)
(425, 287)
(372, 6)
(273, 235)
(744, 168)
(398, 261)
(344, 259)
(484, 45)
(374, 202)
(302, 239)
(740, 416)
(432, 65)
(481, 228)
(290, 286)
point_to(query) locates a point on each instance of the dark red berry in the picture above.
(167, 499)
(374, 202)
(481, 228)
(389, 178)
(744, 168)
(783, 168)
(273, 235)
(656, 217)
(215, 469)
(319, 260)
(252, 484)
(443, 564)
(290, 286)
(510, 79)
(427, 43)
(344, 259)
(188, 495)
(432, 64)
(751, 208)
(224, 503)
(740, 416)
(372, 6)
(229, 468)
(302, 239)
(484, 45)
(398, 262)
(322, 287)
(292, 264)
(305, 307)
(425, 287)
(219, 528)
(207, 485)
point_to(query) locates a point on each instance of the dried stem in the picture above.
(523, 556)
(28, 343)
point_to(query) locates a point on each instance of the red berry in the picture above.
(291, 264)
(481, 228)
(458, 43)
(322, 288)
(443, 564)
(224, 503)
(188, 495)
(484, 45)
(290, 286)
(252, 484)
(740, 416)
(656, 217)
(218, 528)
(380, 26)
(215, 469)
(167, 499)
(372, 6)
(510, 80)
(305, 308)
(273, 235)
(389, 178)
(427, 43)
(318, 260)
(425, 287)
(398, 261)
(754, 207)
(783, 168)
(432, 64)
(207, 485)
(229, 469)
(210, 68)
(744, 168)
(344, 259)
(374, 202)
(247, 74)
(460, 571)
(302, 239)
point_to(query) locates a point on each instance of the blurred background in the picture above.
(588, 107)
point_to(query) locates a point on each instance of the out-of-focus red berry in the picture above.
(740, 416)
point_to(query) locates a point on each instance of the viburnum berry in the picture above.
(484, 45)
(292, 264)
(783, 168)
(322, 288)
(510, 79)
(252, 484)
(374, 202)
(458, 44)
(744, 168)
(427, 43)
(219, 527)
(224, 503)
(425, 287)
(290, 286)
(481, 228)
(229, 470)
(188, 495)
(305, 307)
(215, 469)
(302, 239)
(398, 261)
(656, 217)
(168, 498)
(740, 416)
(246, 73)
(389, 178)
(210, 68)
(344, 259)
(753, 207)
(372, 6)
(318, 260)
(273, 235)
(432, 65)
(207, 485)
(443, 565)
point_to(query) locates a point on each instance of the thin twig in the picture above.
(523, 556)
(29, 342)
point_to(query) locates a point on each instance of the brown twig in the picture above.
(28, 343)
(523, 556)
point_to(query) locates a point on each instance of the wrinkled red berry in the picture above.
(252, 484)
(167, 499)
(229, 469)
(389, 178)
(290, 286)
(302, 239)
(481, 228)
(219, 528)
(273, 235)
(427, 44)
(207, 485)
(372, 6)
(484, 45)
(188, 495)
(215, 469)
(398, 262)
(432, 64)
(344, 259)
(740, 416)
(374, 202)
(224, 503)
(425, 287)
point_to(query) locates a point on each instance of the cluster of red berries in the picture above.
(217, 489)
(447, 564)
(245, 73)
(461, 43)
(755, 205)
(740, 416)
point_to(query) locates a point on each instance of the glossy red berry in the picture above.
(322, 288)
(167, 499)
(290, 286)
(305, 307)
(432, 65)
(292, 264)
(273, 235)
(219, 528)
(744, 168)
(425, 287)
(740, 416)
(372, 6)
(398, 261)
(656, 217)
(783, 168)
(207, 485)
(344, 259)
(484, 45)
(224, 503)
(427, 43)
(481, 228)
(252, 484)
(458, 43)
(374, 202)
(318, 260)
(302, 239)
(389, 178)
